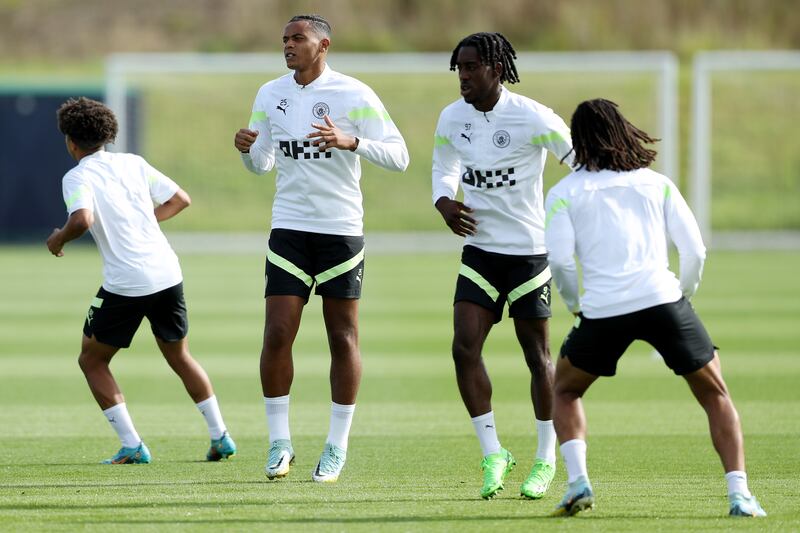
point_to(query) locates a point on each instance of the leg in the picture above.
(280, 329)
(570, 422)
(341, 323)
(194, 378)
(710, 390)
(471, 324)
(94, 359)
(534, 338)
(570, 385)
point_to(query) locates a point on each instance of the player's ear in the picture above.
(498, 69)
(324, 44)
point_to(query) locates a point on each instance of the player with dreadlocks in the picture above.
(615, 214)
(493, 143)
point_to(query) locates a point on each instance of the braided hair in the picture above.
(320, 26)
(89, 123)
(492, 48)
(603, 139)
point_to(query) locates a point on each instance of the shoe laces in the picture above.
(540, 475)
(277, 448)
(332, 459)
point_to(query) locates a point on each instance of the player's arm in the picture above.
(254, 143)
(77, 224)
(560, 240)
(179, 201)
(552, 134)
(684, 232)
(444, 178)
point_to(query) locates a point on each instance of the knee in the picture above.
(566, 393)
(278, 335)
(538, 361)
(87, 361)
(465, 351)
(343, 341)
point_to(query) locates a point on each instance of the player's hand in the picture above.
(244, 139)
(456, 216)
(329, 136)
(55, 244)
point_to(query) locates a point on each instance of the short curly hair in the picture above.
(89, 123)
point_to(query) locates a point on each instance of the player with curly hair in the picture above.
(112, 195)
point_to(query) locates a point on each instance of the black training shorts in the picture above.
(490, 280)
(298, 260)
(113, 319)
(595, 344)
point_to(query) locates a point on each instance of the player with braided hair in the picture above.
(616, 215)
(493, 143)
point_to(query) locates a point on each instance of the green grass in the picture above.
(413, 460)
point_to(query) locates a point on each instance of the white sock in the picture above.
(487, 433)
(574, 454)
(737, 482)
(209, 408)
(546, 441)
(341, 419)
(278, 417)
(121, 421)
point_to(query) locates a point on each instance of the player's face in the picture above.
(302, 47)
(479, 83)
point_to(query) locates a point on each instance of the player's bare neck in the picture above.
(489, 102)
(308, 75)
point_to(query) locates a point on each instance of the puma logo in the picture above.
(468, 138)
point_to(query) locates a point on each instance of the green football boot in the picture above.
(495, 467)
(537, 483)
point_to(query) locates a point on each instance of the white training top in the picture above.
(498, 158)
(119, 189)
(617, 224)
(319, 191)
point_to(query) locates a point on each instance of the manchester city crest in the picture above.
(501, 138)
(320, 109)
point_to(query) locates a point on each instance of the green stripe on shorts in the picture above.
(340, 269)
(480, 281)
(529, 286)
(289, 267)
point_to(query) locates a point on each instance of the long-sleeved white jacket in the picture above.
(617, 224)
(319, 191)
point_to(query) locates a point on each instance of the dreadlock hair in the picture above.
(89, 123)
(492, 48)
(320, 26)
(603, 139)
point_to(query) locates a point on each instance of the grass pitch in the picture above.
(413, 458)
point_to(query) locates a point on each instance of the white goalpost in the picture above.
(664, 65)
(706, 64)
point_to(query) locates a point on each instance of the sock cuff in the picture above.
(736, 473)
(210, 400)
(114, 408)
(483, 417)
(546, 423)
(574, 443)
(339, 408)
(276, 400)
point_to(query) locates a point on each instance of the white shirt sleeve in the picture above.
(446, 165)
(379, 140)
(261, 158)
(684, 232)
(161, 187)
(552, 133)
(77, 193)
(560, 241)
